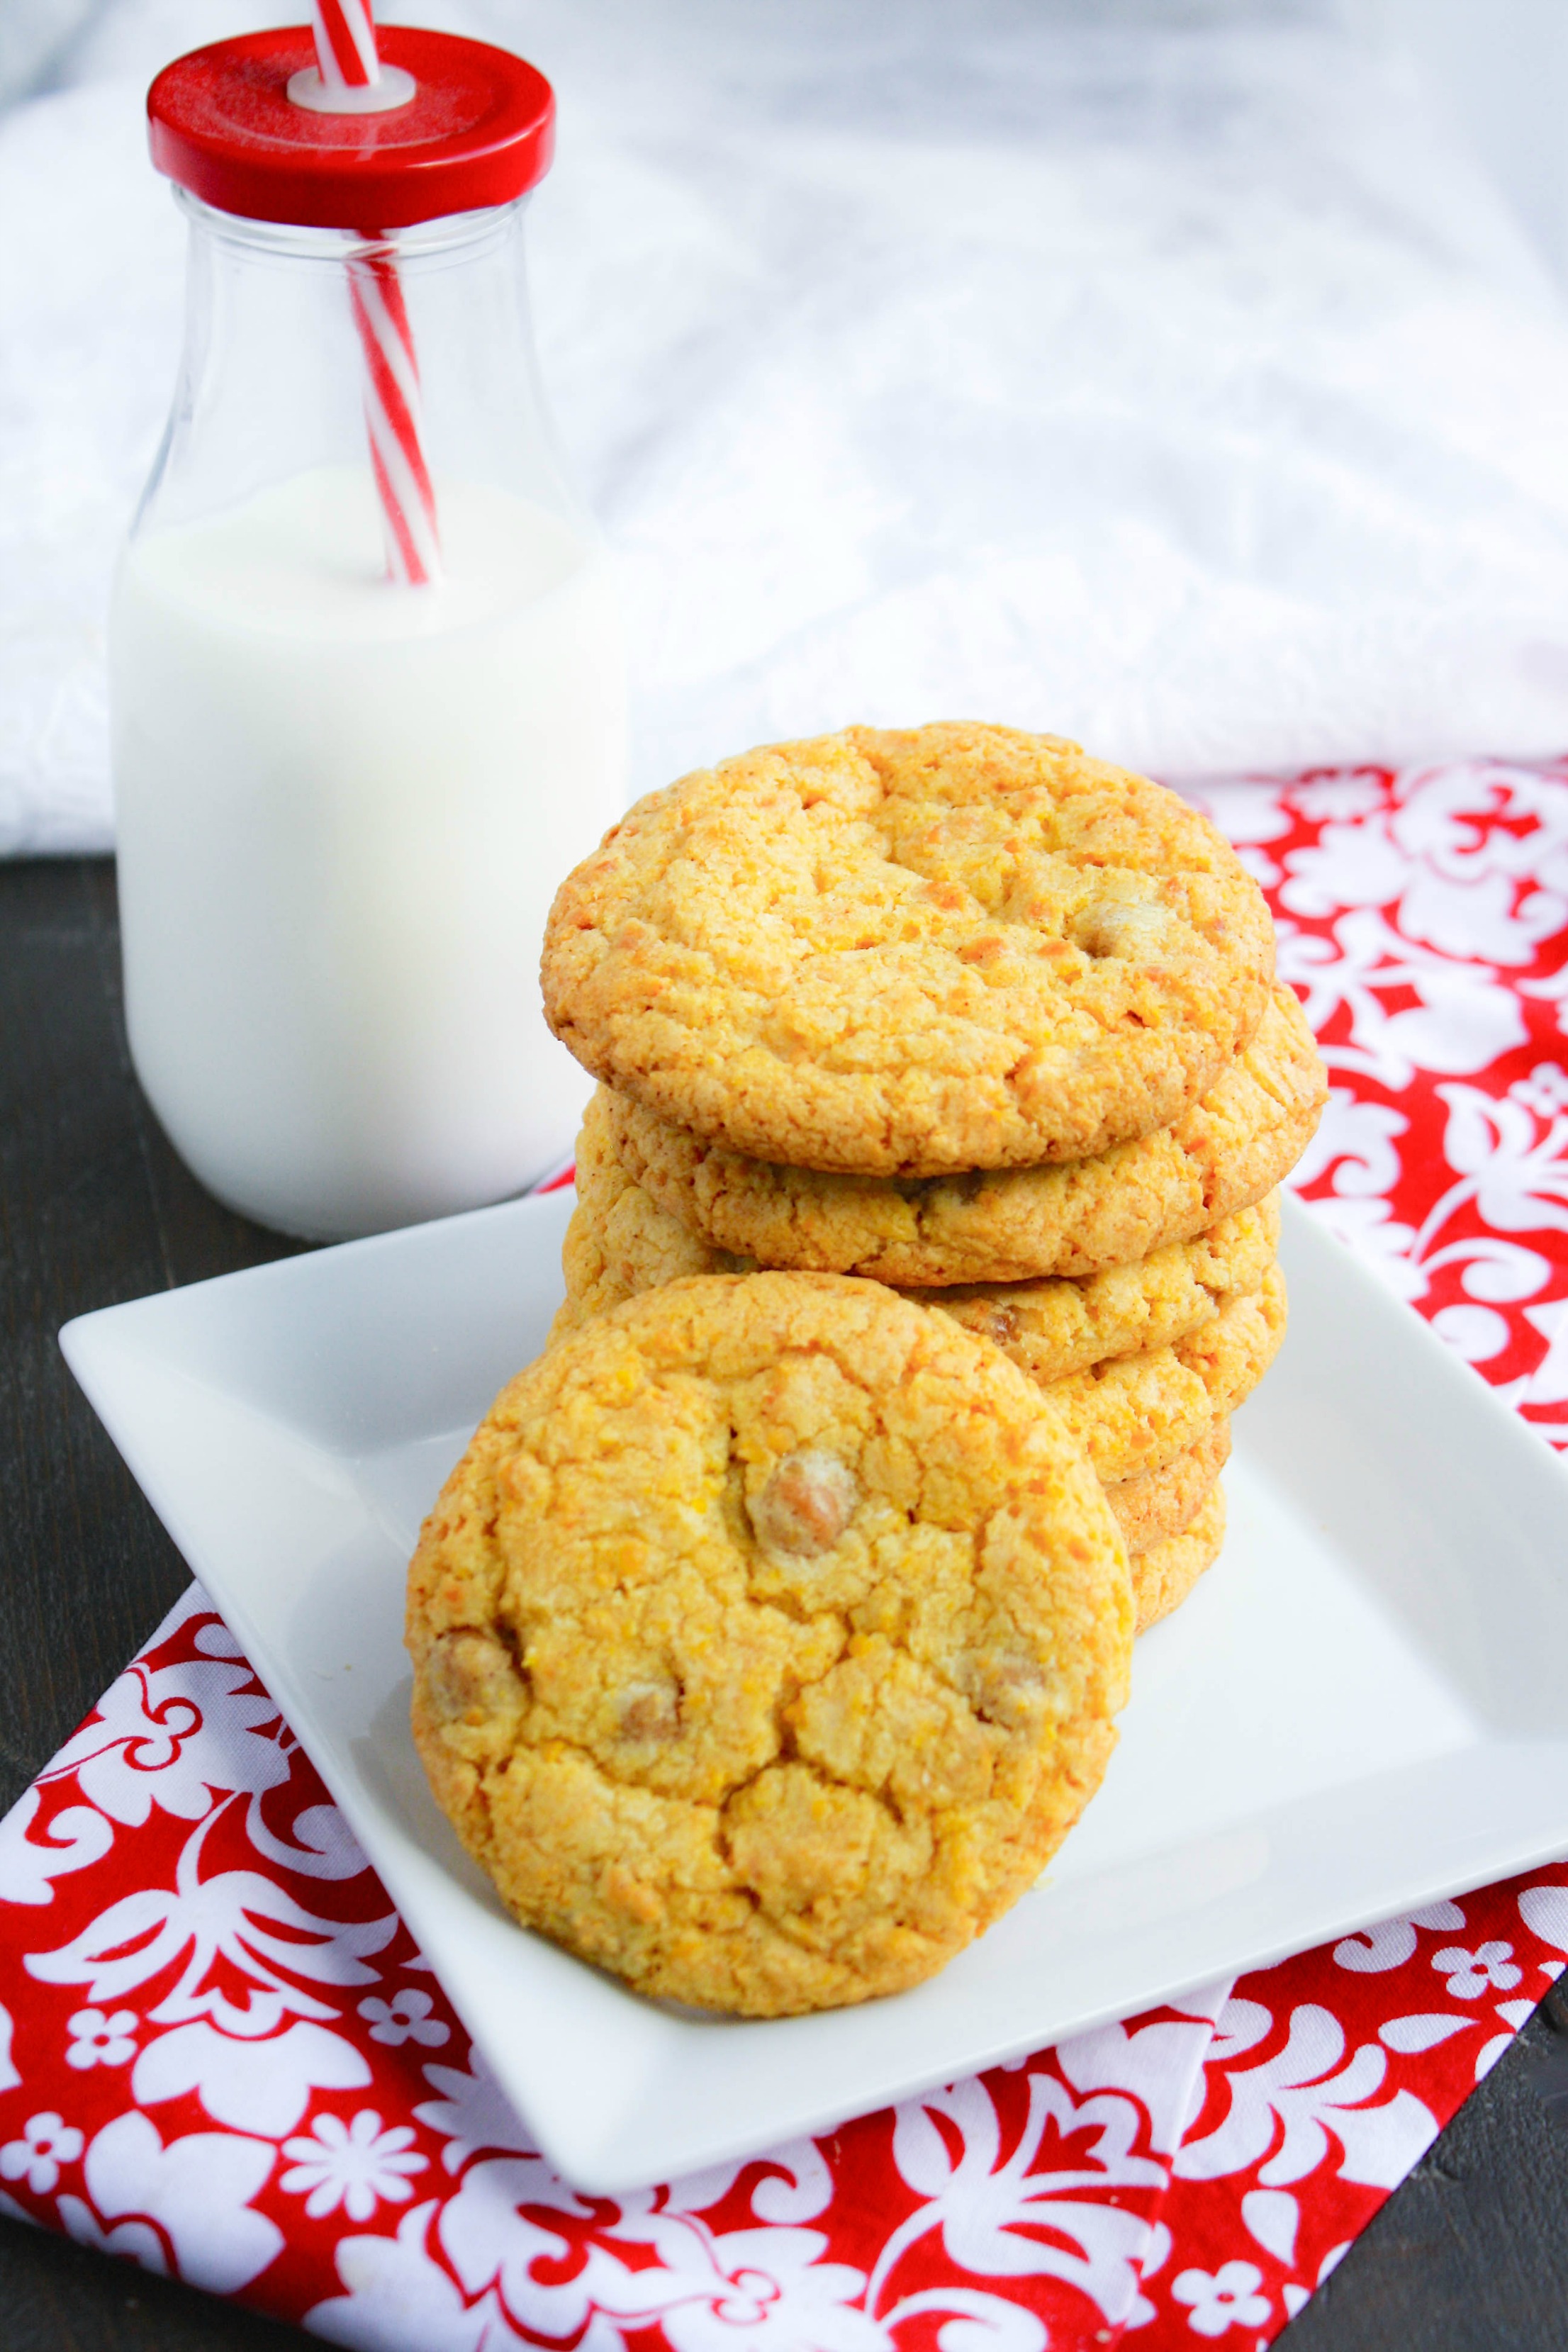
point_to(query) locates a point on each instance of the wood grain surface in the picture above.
(1471, 2255)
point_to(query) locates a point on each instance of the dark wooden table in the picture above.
(1471, 2255)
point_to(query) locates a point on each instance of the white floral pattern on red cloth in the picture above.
(230, 2062)
(222, 2056)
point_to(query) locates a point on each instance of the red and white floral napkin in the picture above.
(221, 2055)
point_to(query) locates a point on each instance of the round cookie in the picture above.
(899, 953)
(1137, 1414)
(1009, 1226)
(1165, 1575)
(620, 1243)
(767, 1640)
(1161, 1503)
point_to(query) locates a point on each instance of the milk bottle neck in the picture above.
(272, 380)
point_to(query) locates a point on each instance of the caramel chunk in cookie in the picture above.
(472, 1677)
(807, 1502)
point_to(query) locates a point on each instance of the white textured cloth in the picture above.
(1150, 374)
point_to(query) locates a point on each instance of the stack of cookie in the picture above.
(768, 1638)
(966, 1013)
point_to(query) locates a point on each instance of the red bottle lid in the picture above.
(479, 130)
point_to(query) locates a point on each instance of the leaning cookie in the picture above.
(767, 1641)
(900, 953)
(1010, 1225)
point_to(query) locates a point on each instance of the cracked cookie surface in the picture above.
(901, 952)
(1008, 1225)
(767, 1640)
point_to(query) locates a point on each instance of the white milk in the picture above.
(344, 809)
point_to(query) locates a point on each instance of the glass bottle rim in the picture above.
(449, 233)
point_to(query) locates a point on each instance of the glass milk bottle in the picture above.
(367, 680)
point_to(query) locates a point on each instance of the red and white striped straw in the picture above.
(346, 54)
(347, 58)
(391, 415)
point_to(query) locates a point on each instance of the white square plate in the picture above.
(1361, 1708)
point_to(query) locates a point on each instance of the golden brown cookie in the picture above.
(1137, 1414)
(1224, 1155)
(620, 1243)
(766, 1641)
(1165, 1575)
(898, 953)
(1151, 1509)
